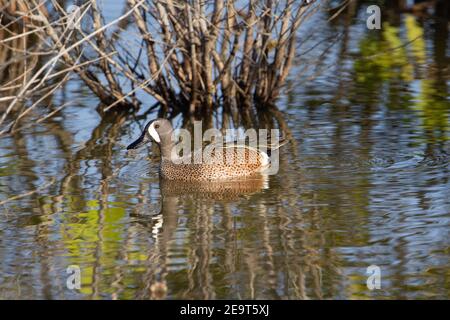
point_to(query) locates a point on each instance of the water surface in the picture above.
(365, 181)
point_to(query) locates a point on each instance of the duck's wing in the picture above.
(246, 154)
(259, 144)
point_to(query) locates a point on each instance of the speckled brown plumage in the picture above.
(240, 162)
(218, 162)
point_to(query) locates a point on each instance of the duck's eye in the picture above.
(156, 126)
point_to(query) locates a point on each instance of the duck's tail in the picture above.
(278, 145)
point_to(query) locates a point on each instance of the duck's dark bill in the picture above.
(139, 142)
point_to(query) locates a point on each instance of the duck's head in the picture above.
(158, 130)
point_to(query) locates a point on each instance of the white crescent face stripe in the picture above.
(153, 133)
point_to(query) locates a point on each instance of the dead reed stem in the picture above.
(191, 56)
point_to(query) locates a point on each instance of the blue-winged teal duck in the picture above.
(245, 161)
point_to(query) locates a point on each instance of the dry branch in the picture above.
(193, 56)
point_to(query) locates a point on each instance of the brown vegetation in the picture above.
(191, 56)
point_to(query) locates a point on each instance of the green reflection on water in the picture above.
(364, 181)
